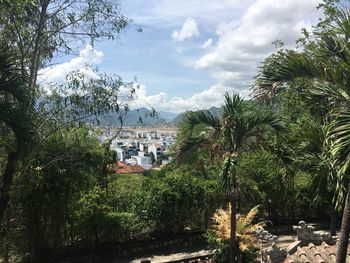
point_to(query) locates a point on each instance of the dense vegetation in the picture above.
(286, 150)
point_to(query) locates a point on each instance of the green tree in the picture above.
(48, 189)
(260, 176)
(237, 131)
(324, 66)
(169, 204)
(15, 119)
(36, 31)
(313, 155)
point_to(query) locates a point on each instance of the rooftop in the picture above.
(315, 254)
(122, 168)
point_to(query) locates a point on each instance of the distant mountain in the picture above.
(179, 118)
(134, 117)
(138, 117)
(216, 110)
(168, 116)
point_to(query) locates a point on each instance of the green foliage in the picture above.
(62, 195)
(82, 99)
(53, 26)
(221, 247)
(16, 106)
(32, 32)
(261, 176)
(122, 197)
(96, 217)
(243, 127)
(322, 66)
(174, 202)
(60, 201)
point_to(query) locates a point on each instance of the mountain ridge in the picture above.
(145, 117)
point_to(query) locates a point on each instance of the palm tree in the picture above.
(313, 155)
(324, 66)
(15, 116)
(238, 130)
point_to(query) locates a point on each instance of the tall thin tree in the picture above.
(238, 130)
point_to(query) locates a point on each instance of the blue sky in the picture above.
(176, 70)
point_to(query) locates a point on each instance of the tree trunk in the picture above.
(6, 183)
(333, 223)
(7, 247)
(233, 245)
(40, 249)
(344, 233)
(206, 218)
(35, 59)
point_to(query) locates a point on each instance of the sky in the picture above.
(192, 51)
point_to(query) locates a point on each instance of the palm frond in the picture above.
(15, 105)
(339, 135)
(12, 80)
(248, 219)
(329, 90)
(221, 226)
(202, 117)
(244, 227)
(286, 66)
(256, 119)
(233, 105)
(310, 137)
(19, 122)
(190, 145)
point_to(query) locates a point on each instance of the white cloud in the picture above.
(188, 30)
(207, 43)
(243, 44)
(57, 74)
(242, 40)
(161, 102)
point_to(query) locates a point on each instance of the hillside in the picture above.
(141, 117)
(138, 117)
(168, 116)
(179, 118)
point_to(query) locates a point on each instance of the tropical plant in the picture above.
(239, 129)
(313, 155)
(15, 118)
(245, 230)
(324, 67)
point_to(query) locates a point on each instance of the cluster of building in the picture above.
(145, 147)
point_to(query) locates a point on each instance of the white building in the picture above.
(156, 149)
(144, 161)
(143, 147)
(131, 161)
(121, 154)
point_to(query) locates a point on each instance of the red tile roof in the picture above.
(315, 254)
(122, 168)
(120, 164)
